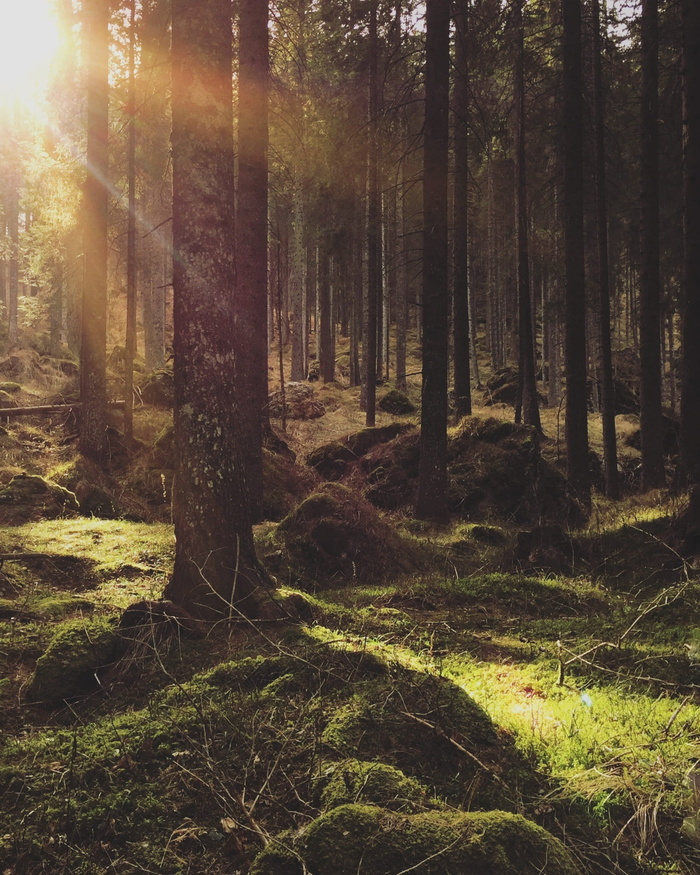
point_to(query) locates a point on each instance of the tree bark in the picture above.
(130, 345)
(251, 237)
(649, 279)
(527, 384)
(690, 363)
(607, 391)
(431, 501)
(460, 275)
(216, 573)
(575, 364)
(93, 349)
(373, 228)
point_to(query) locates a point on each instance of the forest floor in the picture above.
(559, 682)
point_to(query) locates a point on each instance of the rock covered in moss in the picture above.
(369, 782)
(360, 839)
(96, 501)
(335, 534)
(158, 388)
(300, 402)
(7, 402)
(10, 386)
(333, 460)
(429, 728)
(70, 663)
(396, 403)
(285, 484)
(28, 497)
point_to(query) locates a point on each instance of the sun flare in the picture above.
(29, 41)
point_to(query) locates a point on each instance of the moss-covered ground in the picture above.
(446, 712)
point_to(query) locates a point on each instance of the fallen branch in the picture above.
(47, 409)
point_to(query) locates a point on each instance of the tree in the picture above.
(460, 274)
(216, 572)
(251, 231)
(690, 386)
(575, 366)
(93, 348)
(529, 410)
(606, 381)
(650, 279)
(431, 502)
(130, 345)
(373, 226)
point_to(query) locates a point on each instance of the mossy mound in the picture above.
(28, 497)
(495, 471)
(69, 665)
(368, 840)
(158, 388)
(430, 729)
(333, 460)
(285, 484)
(7, 402)
(396, 403)
(375, 783)
(300, 402)
(10, 386)
(334, 534)
(252, 727)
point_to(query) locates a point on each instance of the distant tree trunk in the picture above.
(527, 379)
(649, 279)
(431, 502)
(130, 345)
(575, 366)
(326, 358)
(251, 237)
(460, 276)
(690, 363)
(93, 349)
(401, 284)
(56, 308)
(297, 284)
(373, 229)
(13, 260)
(216, 573)
(606, 382)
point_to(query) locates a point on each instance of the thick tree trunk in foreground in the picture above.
(575, 366)
(93, 349)
(251, 237)
(650, 279)
(432, 473)
(216, 572)
(690, 386)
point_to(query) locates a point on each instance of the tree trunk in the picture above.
(401, 283)
(527, 383)
(575, 365)
(690, 364)
(649, 280)
(93, 349)
(13, 260)
(297, 285)
(431, 502)
(216, 572)
(251, 237)
(606, 382)
(373, 229)
(460, 276)
(130, 345)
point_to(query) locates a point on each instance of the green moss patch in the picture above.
(336, 535)
(30, 497)
(70, 664)
(368, 840)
